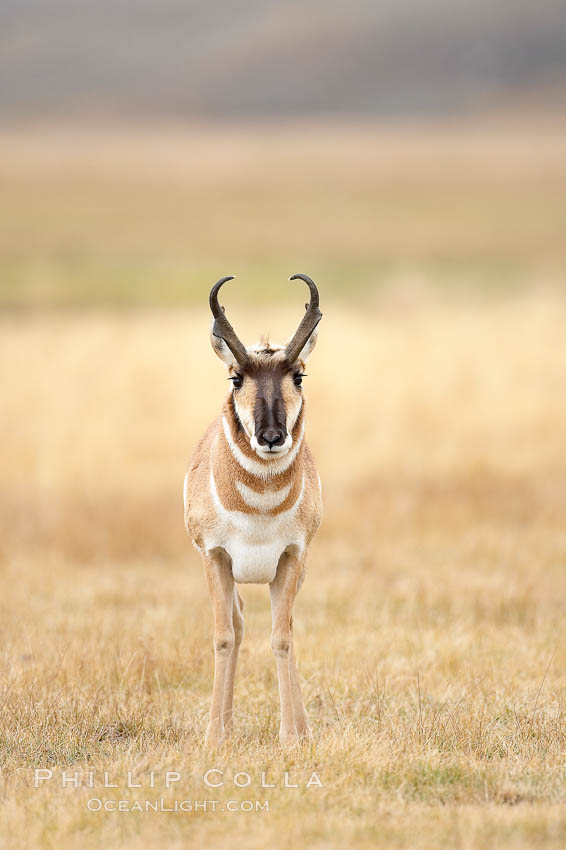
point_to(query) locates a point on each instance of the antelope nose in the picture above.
(271, 436)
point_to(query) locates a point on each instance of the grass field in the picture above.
(430, 628)
(135, 217)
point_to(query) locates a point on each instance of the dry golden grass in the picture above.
(430, 629)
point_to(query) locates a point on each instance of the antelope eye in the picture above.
(237, 380)
(298, 379)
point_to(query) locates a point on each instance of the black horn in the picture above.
(222, 327)
(309, 322)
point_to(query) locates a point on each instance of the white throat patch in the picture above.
(254, 467)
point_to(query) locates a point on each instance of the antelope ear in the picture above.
(308, 346)
(221, 349)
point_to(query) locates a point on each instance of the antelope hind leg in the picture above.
(238, 626)
(299, 710)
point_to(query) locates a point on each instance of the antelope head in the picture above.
(266, 379)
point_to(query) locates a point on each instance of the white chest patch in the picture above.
(254, 543)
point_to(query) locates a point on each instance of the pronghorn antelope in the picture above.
(253, 503)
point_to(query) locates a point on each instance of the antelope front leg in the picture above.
(221, 586)
(283, 590)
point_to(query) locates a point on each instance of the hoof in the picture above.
(214, 737)
(288, 739)
(305, 733)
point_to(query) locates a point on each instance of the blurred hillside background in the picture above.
(147, 148)
(411, 157)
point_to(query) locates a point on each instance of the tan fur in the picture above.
(206, 512)
(227, 471)
(213, 452)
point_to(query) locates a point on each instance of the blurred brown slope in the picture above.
(151, 217)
